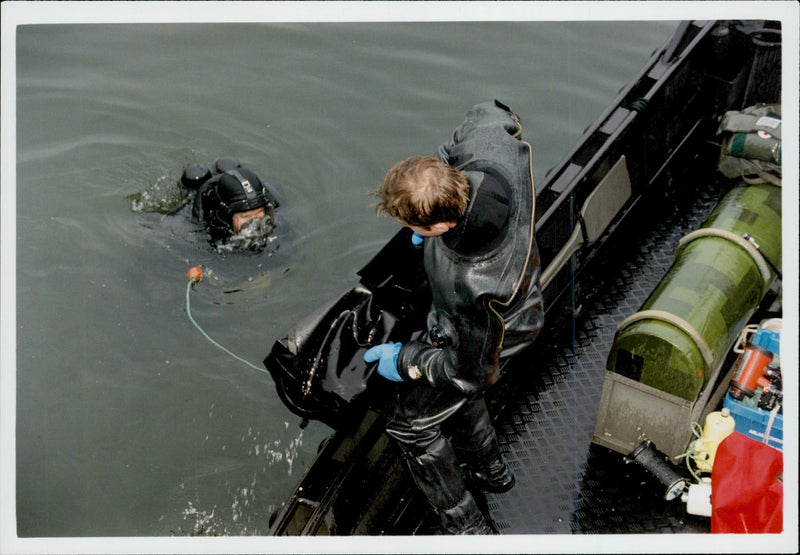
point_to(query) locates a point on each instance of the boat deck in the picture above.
(565, 484)
(544, 417)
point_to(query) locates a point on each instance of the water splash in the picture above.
(202, 522)
(255, 236)
(272, 452)
(243, 499)
(247, 516)
(165, 196)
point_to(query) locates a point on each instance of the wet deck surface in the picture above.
(565, 484)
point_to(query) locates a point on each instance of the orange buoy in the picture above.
(194, 274)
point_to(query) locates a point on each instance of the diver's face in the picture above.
(253, 232)
(241, 218)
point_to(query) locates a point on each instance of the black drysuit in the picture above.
(487, 305)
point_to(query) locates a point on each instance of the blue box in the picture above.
(753, 422)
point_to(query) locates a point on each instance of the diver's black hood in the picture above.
(235, 190)
(239, 190)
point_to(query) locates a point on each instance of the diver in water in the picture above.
(235, 206)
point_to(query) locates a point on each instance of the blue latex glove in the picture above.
(417, 239)
(386, 353)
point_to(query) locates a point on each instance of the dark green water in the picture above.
(128, 422)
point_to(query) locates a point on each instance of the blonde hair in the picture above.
(422, 191)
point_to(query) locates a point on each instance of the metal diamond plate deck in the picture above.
(565, 484)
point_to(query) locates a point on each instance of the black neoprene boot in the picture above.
(486, 468)
(465, 518)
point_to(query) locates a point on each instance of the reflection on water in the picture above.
(129, 422)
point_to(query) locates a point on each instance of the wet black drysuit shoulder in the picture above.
(484, 273)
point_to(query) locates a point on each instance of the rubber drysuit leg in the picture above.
(432, 462)
(476, 445)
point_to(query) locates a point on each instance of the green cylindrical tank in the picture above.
(687, 325)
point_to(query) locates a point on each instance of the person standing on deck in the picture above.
(471, 209)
